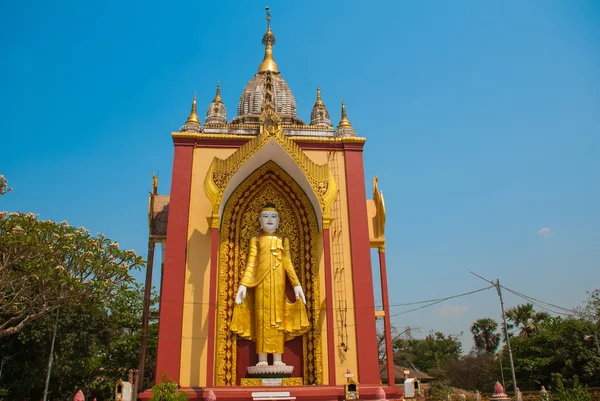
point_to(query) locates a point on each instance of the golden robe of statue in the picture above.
(266, 316)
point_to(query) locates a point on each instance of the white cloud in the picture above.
(544, 232)
(451, 310)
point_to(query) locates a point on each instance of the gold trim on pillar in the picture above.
(268, 183)
(214, 220)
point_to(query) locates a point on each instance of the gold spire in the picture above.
(218, 95)
(344, 122)
(319, 101)
(193, 118)
(268, 63)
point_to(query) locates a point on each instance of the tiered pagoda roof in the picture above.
(250, 105)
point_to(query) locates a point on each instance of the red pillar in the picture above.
(360, 250)
(173, 280)
(212, 302)
(387, 326)
(329, 306)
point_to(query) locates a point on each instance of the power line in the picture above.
(541, 304)
(429, 302)
(437, 301)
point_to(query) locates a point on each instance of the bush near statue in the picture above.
(262, 312)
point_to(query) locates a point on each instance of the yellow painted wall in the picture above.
(344, 360)
(197, 277)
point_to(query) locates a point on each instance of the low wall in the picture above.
(527, 396)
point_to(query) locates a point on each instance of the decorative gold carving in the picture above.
(240, 222)
(251, 382)
(214, 221)
(222, 170)
(293, 381)
(286, 381)
(378, 219)
(376, 207)
(317, 139)
(380, 205)
(303, 138)
(327, 222)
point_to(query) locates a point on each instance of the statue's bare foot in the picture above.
(262, 363)
(278, 363)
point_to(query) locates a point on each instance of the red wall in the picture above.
(172, 291)
(360, 249)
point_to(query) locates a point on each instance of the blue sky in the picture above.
(482, 121)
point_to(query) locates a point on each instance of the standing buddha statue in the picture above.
(262, 311)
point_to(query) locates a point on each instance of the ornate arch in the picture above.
(298, 221)
(224, 175)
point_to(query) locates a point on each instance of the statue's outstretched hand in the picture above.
(241, 294)
(299, 293)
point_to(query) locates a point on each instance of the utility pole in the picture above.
(139, 384)
(50, 358)
(510, 357)
(146, 312)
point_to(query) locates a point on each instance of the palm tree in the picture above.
(525, 318)
(485, 336)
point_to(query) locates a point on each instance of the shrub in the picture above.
(576, 393)
(167, 390)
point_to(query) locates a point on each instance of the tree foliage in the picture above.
(4, 188)
(167, 390)
(525, 318)
(439, 390)
(474, 372)
(434, 351)
(45, 266)
(484, 335)
(395, 335)
(576, 393)
(591, 309)
(95, 346)
(558, 347)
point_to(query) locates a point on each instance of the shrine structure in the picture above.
(224, 172)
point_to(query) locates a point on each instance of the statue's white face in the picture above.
(269, 220)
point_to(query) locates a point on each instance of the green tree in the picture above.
(473, 372)
(558, 346)
(95, 346)
(395, 334)
(47, 266)
(122, 352)
(484, 335)
(438, 390)
(525, 318)
(434, 351)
